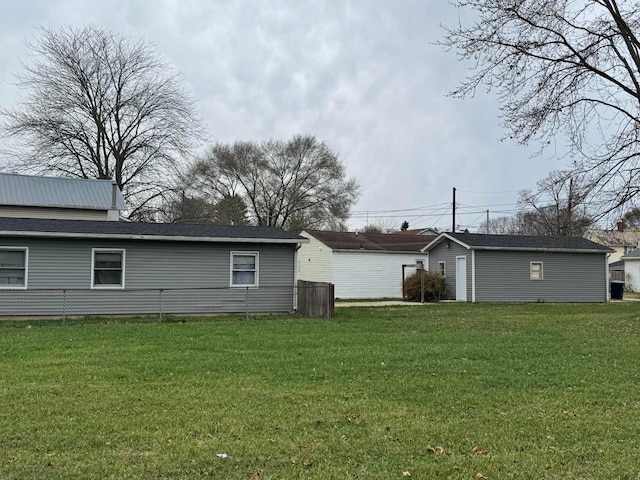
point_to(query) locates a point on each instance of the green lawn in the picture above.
(437, 391)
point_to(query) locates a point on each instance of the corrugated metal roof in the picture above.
(38, 227)
(33, 191)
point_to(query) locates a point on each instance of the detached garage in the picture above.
(520, 268)
(360, 265)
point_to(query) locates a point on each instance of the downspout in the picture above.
(473, 275)
(295, 277)
(607, 278)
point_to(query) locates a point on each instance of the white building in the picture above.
(360, 265)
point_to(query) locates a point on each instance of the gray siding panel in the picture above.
(448, 254)
(503, 276)
(66, 264)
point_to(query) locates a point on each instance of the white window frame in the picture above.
(26, 268)
(539, 274)
(442, 268)
(93, 266)
(256, 272)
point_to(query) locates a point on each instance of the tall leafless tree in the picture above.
(557, 207)
(296, 184)
(563, 66)
(101, 105)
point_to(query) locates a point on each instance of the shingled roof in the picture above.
(37, 227)
(480, 241)
(386, 242)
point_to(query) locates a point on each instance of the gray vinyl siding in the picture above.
(503, 276)
(448, 254)
(56, 264)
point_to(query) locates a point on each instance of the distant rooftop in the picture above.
(35, 191)
(371, 241)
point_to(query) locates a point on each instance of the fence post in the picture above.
(64, 306)
(160, 291)
(246, 303)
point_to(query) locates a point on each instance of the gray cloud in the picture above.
(363, 76)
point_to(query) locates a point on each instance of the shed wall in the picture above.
(448, 253)
(314, 261)
(371, 274)
(66, 264)
(504, 276)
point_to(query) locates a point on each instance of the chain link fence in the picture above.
(64, 303)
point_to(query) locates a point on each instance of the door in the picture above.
(461, 279)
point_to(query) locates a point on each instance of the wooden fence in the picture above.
(316, 299)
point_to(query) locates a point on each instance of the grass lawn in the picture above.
(454, 391)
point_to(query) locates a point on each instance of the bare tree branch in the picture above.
(100, 105)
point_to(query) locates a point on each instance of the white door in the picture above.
(461, 279)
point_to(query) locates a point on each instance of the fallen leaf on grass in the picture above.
(480, 475)
(253, 475)
(406, 474)
(479, 450)
(439, 450)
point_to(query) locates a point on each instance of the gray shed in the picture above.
(520, 268)
(78, 267)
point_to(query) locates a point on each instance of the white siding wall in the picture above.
(314, 261)
(632, 275)
(371, 274)
(57, 213)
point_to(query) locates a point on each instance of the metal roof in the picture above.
(38, 227)
(33, 191)
(481, 241)
(382, 242)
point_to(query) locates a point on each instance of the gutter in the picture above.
(167, 238)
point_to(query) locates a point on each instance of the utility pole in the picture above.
(453, 226)
(488, 230)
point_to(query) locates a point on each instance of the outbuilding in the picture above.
(361, 265)
(520, 268)
(81, 267)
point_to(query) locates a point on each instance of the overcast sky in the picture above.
(362, 76)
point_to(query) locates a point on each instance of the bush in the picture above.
(435, 287)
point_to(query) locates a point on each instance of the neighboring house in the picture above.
(519, 268)
(419, 231)
(632, 270)
(622, 241)
(24, 196)
(360, 265)
(51, 267)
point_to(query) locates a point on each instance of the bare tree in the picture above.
(101, 105)
(563, 66)
(296, 184)
(199, 209)
(558, 207)
(501, 225)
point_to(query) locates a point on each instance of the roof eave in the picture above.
(170, 238)
(543, 249)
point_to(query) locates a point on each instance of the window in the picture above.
(13, 267)
(442, 270)
(244, 269)
(536, 272)
(107, 268)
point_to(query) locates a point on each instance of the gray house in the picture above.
(520, 268)
(77, 267)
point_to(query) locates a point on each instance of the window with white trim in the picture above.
(244, 269)
(536, 271)
(13, 267)
(442, 268)
(107, 268)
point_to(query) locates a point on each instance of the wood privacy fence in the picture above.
(316, 299)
